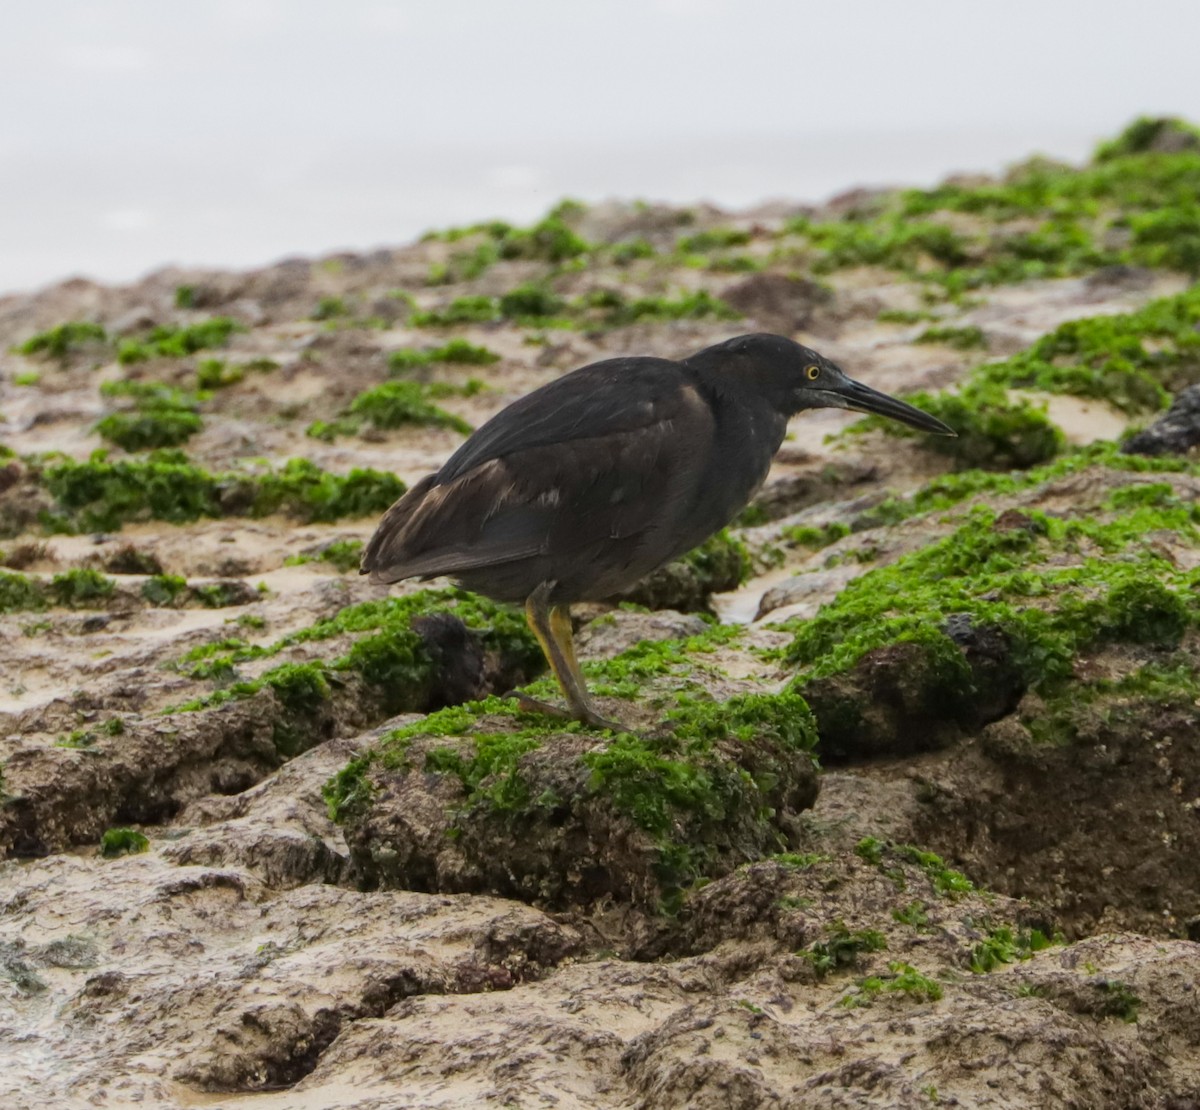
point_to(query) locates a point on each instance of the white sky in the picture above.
(137, 133)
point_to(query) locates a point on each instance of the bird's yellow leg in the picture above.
(552, 627)
(564, 636)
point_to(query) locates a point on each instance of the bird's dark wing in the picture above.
(553, 481)
(614, 396)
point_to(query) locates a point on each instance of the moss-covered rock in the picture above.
(936, 645)
(476, 799)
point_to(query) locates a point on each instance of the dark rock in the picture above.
(458, 659)
(1176, 432)
(1077, 819)
(817, 484)
(777, 302)
(1110, 279)
(916, 696)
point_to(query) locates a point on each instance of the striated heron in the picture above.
(584, 486)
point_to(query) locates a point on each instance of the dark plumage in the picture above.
(582, 487)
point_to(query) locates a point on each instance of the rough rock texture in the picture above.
(1176, 432)
(713, 926)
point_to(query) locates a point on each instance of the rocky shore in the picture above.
(906, 811)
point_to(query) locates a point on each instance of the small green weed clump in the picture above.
(531, 302)
(345, 555)
(961, 339)
(841, 948)
(99, 495)
(457, 351)
(162, 416)
(123, 842)
(17, 593)
(996, 431)
(715, 238)
(330, 308)
(81, 588)
(64, 340)
(395, 404)
(814, 536)
(473, 309)
(904, 980)
(390, 405)
(1003, 945)
(178, 342)
(550, 240)
(214, 373)
(164, 590)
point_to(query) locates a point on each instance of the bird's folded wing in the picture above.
(612, 397)
(559, 498)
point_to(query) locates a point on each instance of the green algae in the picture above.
(123, 842)
(814, 536)
(147, 430)
(841, 948)
(457, 351)
(1004, 945)
(715, 238)
(534, 305)
(1134, 361)
(164, 589)
(101, 495)
(17, 593)
(961, 339)
(549, 240)
(995, 430)
(396, 404)
(710, 770)
(64, 340)
(1148, 134)
(531, 301)
(473, 309)
(388, 656)
(345, 555)
(949, 490)
(330, 308)
(1114, 587)
(178, 342)
(903, 979)
(81, 588)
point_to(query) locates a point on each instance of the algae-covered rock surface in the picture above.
(902, 808)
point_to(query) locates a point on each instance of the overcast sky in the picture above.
(137, 133)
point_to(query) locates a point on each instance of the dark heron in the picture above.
(584, 486)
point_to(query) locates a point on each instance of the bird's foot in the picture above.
(587, 716)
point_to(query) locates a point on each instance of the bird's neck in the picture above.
(748, 431)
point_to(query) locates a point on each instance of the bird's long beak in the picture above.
(862, 398)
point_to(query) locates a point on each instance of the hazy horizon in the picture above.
(248, 130)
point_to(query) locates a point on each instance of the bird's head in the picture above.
(793, 378)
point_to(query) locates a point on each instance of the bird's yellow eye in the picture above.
(813, 372)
